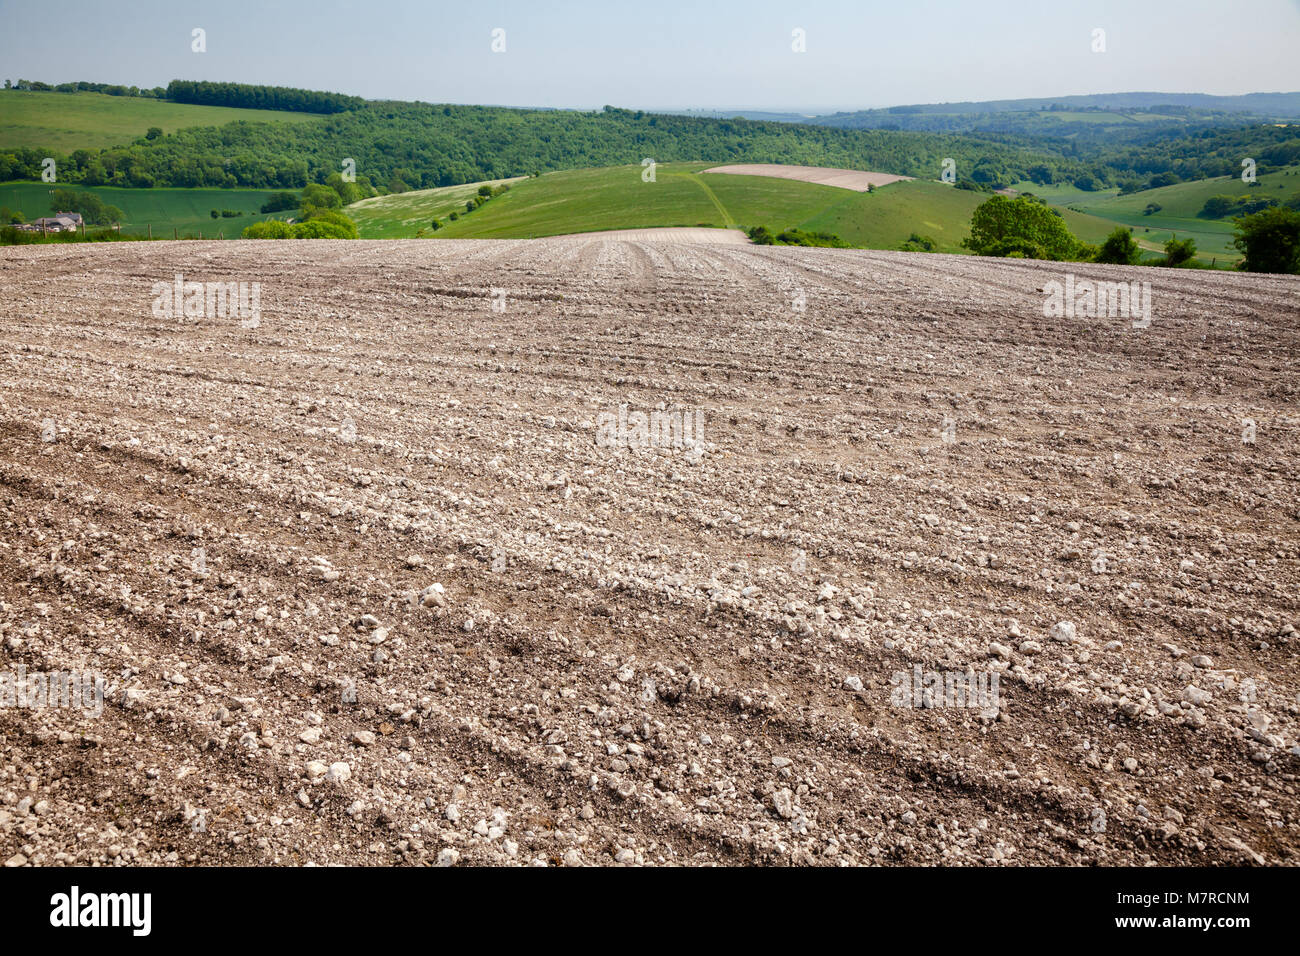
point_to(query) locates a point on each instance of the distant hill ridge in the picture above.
(1288, 103)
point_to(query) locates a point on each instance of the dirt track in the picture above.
(673, 657)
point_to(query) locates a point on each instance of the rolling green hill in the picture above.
(615, 197)
(1100, 121)
(1180, 204)
(886, 217)
(185, 210)
(586, 200)
(68, 121)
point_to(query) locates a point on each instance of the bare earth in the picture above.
(855, 179)
(645, 656)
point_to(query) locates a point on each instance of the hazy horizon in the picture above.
(672, 56)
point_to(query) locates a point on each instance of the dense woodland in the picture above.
(205, 93)
(399, 146)
(260, 97)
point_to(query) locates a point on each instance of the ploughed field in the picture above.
(659, 655)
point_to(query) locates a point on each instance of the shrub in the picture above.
(279, 202)
(322, 197)
(271, 229)
(1017, 249)
(762, 236)
(1179, 251)
(1270, 240)
(1120, 248)
(341, 227)
(797, 237)
(321, 229)
(1217, 206)
(919, 243)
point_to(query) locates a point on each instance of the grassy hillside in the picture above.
(403, 215)
(586, 200)
(68, 121)
(186, 210)
(886, 217)
(615, 197)
(1179, 204)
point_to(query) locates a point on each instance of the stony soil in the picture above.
(644, 656)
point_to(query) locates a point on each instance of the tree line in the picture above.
(402, 146)
(205, 93)
(82, 86)
(248, 96)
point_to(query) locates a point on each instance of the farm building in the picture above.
(59, 222)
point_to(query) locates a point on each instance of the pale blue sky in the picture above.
(664, 53)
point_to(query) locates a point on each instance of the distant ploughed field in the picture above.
(702, 628)
(855, 179)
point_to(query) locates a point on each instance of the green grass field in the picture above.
(68, 121)
(184, 210)
(1179, 203)
(588, 200)
(885, 218)
(1099, 118)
